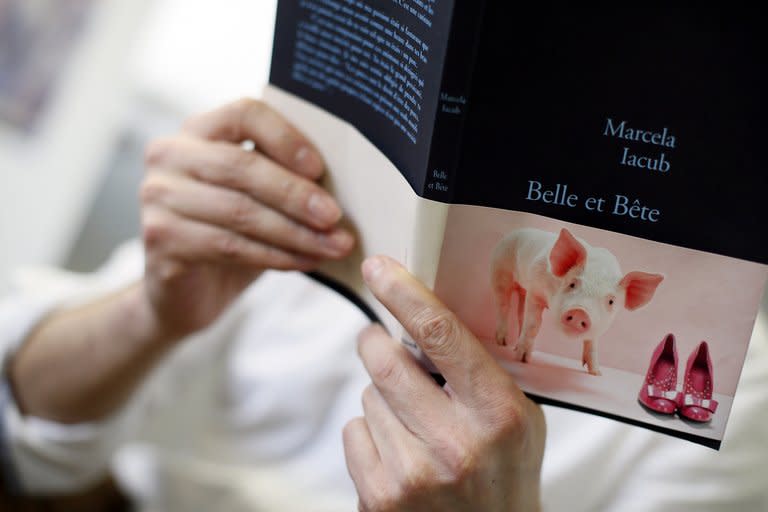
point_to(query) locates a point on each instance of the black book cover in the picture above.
(623, 141)
(658, 107)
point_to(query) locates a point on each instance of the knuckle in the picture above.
(287, 141)
(155, 232)
(368, 499)
(228, 245)
(153, 235)
(239, 213)
(507, 424)
(230, 169)
(382, 500)
(306, 239)
(152, 191)
(155, 239)
(513, 424)
(295, 192)
(388, 371)
(459, 453)
(168, 271)
(249, 111)
(279, 259)
(416, 479)
(435, 328)
(248, 104)
(460, 459)
(157, 151)
(237, 162)
(255, 107)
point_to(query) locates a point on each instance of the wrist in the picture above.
(143, 321)
(81, 364)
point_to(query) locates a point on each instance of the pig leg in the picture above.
(503, 286)
(589, 357)
(521, 293)
(534, 308)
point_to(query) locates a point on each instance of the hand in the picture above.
(215, 215)
(475, 444)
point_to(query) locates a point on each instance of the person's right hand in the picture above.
(474, 444)
(214, 215)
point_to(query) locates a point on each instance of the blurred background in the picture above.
(84, 84)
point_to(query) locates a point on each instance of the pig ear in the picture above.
(566, 254)
(640, 287)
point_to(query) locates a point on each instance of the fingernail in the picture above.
(324, 209)
(372, 267)
(339, 242)
(309, 162)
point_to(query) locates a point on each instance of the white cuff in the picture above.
(51, 458)
(39, 456)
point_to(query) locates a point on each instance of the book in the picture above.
(582, 186)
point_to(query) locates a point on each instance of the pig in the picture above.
(581, 284)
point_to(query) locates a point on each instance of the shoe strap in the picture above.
(658, 392)
(705, 403)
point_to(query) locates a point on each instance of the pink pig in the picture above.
(582, 284)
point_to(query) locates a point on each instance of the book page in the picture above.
(379, 205)
(377, 65)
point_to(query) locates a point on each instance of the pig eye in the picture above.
(610, 302)
(573, 285)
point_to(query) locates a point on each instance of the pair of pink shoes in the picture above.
(659, 392)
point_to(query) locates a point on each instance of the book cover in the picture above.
(582, 186)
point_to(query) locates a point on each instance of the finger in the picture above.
(412, 395)
(188, 240)
(393, 441)
(249, 119)
(250, 172)
(363, 461)
(471, 372)
(236, 211)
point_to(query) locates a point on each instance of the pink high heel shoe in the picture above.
(658, 392)
(695, 402)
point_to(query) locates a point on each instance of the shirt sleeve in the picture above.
(39, 456)
(8, 477)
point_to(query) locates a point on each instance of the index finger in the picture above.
(469, 369)
(273, 135)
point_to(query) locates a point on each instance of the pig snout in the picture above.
(576, 321)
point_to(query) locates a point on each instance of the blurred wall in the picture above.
(68, 193)
(191, 56)
(49, 173)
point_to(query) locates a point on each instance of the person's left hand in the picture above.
(214, 217)
(474, 445)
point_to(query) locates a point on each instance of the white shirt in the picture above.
(247, 415)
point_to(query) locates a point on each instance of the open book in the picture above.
(581, 186)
